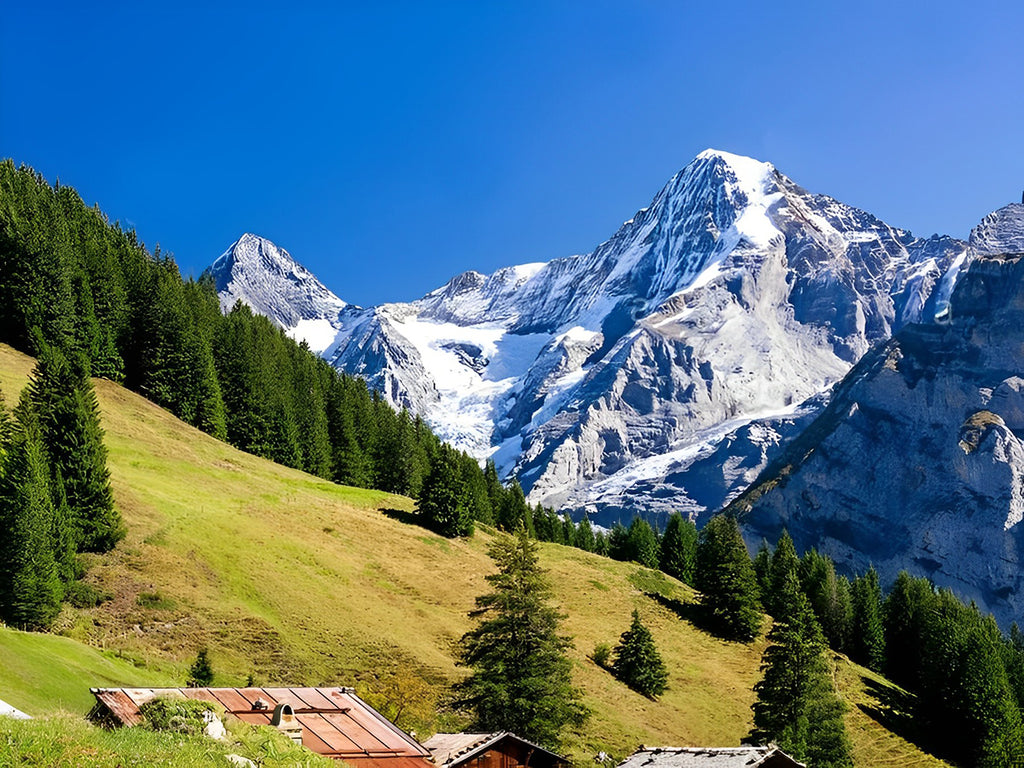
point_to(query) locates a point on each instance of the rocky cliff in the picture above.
(918, 460)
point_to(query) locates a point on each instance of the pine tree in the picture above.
(30, 583)
(642, 543)
(797, 706)
(829, 596)
(64, 403)
(618, 548)
(679, 548)
(522, 678)
(906, 611)
(200, 674)
(784, 564)
(868, 633)
(585, 535)
(514, 511)
(636, 660)
(762, 569)
(726, 580)
(443, 503)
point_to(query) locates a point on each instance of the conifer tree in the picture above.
(200, 674)
(636, 661)
(784, 563)
(443, 503)
(868, 633)
(762, 569)
(726, 580)
(568, 530)
(514, 511)
(829, 596)
(30, 584)
(642, 543)
(797, 706)
(476, 490)
(679, 548)
(585, 535)
(905, 614)
(521, 678)
(64, 404)
(618, 547)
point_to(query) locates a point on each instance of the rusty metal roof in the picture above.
(335, 722)
(452, 749)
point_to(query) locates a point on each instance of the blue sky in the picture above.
(389, 146)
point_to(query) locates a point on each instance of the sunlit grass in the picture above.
(294, 580)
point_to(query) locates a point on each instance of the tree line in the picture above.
(72, 281)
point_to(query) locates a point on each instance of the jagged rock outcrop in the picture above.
(918, 461)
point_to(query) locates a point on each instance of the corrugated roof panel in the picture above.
(314, 699)
(327, 726)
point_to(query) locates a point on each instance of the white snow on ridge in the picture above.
(473, 368)
(318, 333)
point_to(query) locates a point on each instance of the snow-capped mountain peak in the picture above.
(734, 295)
(265, 277)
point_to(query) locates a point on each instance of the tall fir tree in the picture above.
(521, 679)
(636, 661)
(443, 501)
(64, 404)
(642, 544)
(868, 633)
(797, 706)
(679, 548)
(784, 563)
(726, 580)
(30, 583)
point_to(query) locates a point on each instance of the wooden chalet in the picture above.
(490, 750)
(333, 722)
(710, 757)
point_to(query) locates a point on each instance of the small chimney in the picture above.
(285, 721)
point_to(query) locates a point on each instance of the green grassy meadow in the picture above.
(294, 580)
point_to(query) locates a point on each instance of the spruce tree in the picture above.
(443, 502)
(200, 674)
(585, 535)
(868, 633)
(679, 548)
(797, 706)
(642, 543)
(783, 564)
(30, 583)
(62, 398)
(521, 678)
(726, 580)
(636, 660)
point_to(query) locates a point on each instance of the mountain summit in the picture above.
(611, 381)
(266, 278)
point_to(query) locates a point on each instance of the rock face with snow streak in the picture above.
(258, 273)
(918, 461)
(732, 298)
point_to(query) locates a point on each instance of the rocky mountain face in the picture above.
(918, 460)
(665, 369)
(258, 273)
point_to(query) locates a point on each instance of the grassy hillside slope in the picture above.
(294, 580)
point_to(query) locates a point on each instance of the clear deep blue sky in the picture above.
(391, 145)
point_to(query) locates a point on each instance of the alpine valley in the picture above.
(677, 363)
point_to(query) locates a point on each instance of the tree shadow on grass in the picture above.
(409, 518)
(691, 612)
(894, 710)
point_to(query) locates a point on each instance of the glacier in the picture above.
(661, 371)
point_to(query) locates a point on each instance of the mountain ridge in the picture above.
(730, 299)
